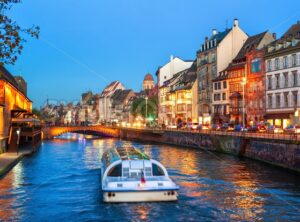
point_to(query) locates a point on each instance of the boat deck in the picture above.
(130, 153)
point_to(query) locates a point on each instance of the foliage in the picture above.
(138, 107)
(36, 112)
(11, 39)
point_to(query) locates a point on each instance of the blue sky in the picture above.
(85, 44)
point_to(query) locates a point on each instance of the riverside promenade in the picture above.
(9, 159)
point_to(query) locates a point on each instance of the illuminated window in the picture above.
(270, 101)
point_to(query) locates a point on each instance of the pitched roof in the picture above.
(120, 96)
(251, 43)
(220, 35)
(293, 31)
(5, 74)
(110, 88)
(221, 77)
(185, 79)
(217, 37)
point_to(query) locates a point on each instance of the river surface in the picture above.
(61, 182)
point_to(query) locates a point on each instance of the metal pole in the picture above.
(146, 108)
(244, 105)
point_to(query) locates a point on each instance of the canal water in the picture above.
(61, 182)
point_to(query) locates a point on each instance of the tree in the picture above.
(138, 107)
(11, 34)
(36, 112)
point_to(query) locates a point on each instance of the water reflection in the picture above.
(62, 182)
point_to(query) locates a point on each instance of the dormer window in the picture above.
(278, 46)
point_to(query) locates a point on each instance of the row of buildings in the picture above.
(18, 124)
(234, 78)
(112, 105)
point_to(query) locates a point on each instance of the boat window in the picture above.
(115, 171)
(157, 170)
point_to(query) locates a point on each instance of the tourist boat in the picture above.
(129, 175)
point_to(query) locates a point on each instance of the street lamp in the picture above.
(146, 98)
(244, 81)
(18, 140)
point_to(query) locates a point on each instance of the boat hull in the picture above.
(139, 196)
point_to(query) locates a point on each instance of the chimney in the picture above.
(274, 35)
(235, 22)
(171, 57)
(214, 31)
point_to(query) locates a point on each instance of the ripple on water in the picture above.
(62, 182)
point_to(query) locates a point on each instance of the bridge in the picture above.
(50, 132)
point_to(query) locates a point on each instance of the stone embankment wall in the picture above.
(277, 152)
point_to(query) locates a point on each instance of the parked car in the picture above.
(192, 126)
(205, 126)
(253, 129)
(274, 129)
(216, 127)
(262, 127)
(292, 129)
(171, 127)
(180, 125)
(230, 127)
(238, 128)
(224, 127)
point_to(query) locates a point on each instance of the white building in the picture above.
(175, 65)
(164, 74)
(213, 57)
(220, 100)
(282, 61)
(105, 101)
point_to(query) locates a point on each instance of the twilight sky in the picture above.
(85, 44)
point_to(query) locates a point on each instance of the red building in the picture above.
(255, 87)
(248, 68)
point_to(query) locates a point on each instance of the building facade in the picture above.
(220, 99)
(148, 83)
(213, 57)
(121, 100)
(246, 81)
(166, 76)
(282, 61)
(12, 100)
(178, 98)
(105, 102)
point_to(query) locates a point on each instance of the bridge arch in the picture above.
(53, 131)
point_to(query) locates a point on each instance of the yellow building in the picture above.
(178, 98)
(12, 102)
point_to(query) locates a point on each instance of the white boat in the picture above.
(129, 175)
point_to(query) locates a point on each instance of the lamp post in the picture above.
(146, 98)
(18, 140)
(244, 81)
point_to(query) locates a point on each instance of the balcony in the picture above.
(203, 62)
(236, 110)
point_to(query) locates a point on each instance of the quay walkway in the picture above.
(9, 159)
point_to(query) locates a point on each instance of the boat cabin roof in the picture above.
(130, 153)
(123, 153)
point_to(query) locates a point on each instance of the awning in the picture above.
(25, 120)
(278, 115)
